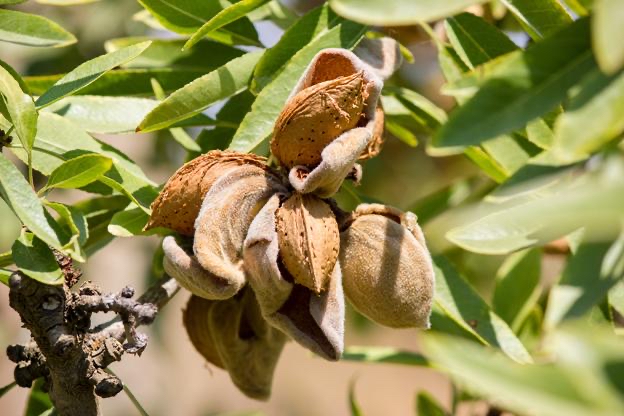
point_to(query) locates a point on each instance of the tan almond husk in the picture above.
(376, 143)
(387, 270)
(308, 240)
(315, 116)
(179, 202)
(195, 318)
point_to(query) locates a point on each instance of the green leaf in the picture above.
(87, 72)
(196, 96)
(540, 18)
(508, 151)
(398, 12)
(122, 82)
(179, 135)
(4, 390)
(517, 287)
(400, 132)
(128, 223)
(303, 31)
(384, 355)
(589, 275)
(79, 171)
(486, 163)
(607, 30)
(38, 401)
(58, 139)
(35, 259)
(224, 17)
(518, 87)
(465, 307)
(23, 201)
(475, 40)
(544, 389)
(187, 16)
(32, 30)
(426, 405)
(426, 114)
(592, 118)
(167, 53)
(5, 275)
(20, 108)
(74, 219)
(355, 408)
(258, 123)
(594, 204)
(112, 115)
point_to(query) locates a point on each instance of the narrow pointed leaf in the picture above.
(518, 87)
(32, 30)
(196, 96)
(464, 306)
(540, 18)
(87, 72)
(398, 12)
(23, 201)
(224, 17)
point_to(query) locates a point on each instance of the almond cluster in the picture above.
(266, 252)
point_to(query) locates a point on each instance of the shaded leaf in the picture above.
(607, 30)
(258, 123)
(186, 17)
(167, 53)
(544, 389)
(224, 17)
(426, 405)
(465, 307)
(23, 201)
(194, 97)
(475, 40)
(32, 30)
(592, 118)
(355, 408)
(87, 72)
(398, 12)
(540, 18)
(121, 82)
(79, 171)
(385, 355)
(35, 259)
(38, 400)
(589, 275)
(517, 290)
(517, 88)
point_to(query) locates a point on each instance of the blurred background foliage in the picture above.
(503, 134)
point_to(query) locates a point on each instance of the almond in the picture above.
(315, 116)
(308, 240)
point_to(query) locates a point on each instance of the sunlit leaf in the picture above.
(87, 72)
(607, 29)
(32, 30)
(398, 12)
(540, 18)
(224, 17)
(194, 97)
(79, 171)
